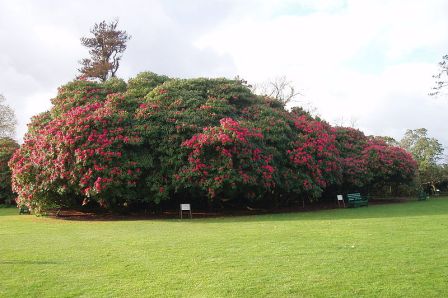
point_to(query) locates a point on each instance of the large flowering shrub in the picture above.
(83, 152)
(370, 162)
(157, 139)
(388, 164)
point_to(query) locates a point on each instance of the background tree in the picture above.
(390, 167)
(388, 140)
(441, 77)
(426, 151)
(105, 49)
(7, 120)
(279, 88)
(7, 148)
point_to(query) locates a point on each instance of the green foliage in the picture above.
(426, 151)
(7, 148)
(144, 82)
(388, 140)
(115, 85)
(171, 114)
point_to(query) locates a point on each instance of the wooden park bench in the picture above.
(24, 210)
(356, 200)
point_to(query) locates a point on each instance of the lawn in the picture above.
(382, 251)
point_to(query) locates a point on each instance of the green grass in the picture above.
(398, 250)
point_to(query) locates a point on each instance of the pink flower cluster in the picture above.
(76, 152)
(314, 153)
(226, 156)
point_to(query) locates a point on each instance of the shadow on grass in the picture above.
(437, 206)
(434, 206)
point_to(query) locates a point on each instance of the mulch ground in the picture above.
(174, 214)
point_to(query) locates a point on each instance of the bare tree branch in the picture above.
(441, 77)
(8, 120)
(279, 88)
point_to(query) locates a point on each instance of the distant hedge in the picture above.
(157, 139)
(7, 148)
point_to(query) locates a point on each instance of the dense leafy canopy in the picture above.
(7, 148)
(105, 49)
(427, 152)
(157, 139)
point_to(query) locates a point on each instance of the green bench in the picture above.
(422, 196)
(356, 200)
(24, 210)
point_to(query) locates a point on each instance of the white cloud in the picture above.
(385, 89)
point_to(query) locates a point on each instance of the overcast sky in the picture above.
(368, 63)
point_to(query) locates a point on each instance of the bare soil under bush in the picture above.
(174, 214)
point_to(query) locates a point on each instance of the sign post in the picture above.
(185, 207)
